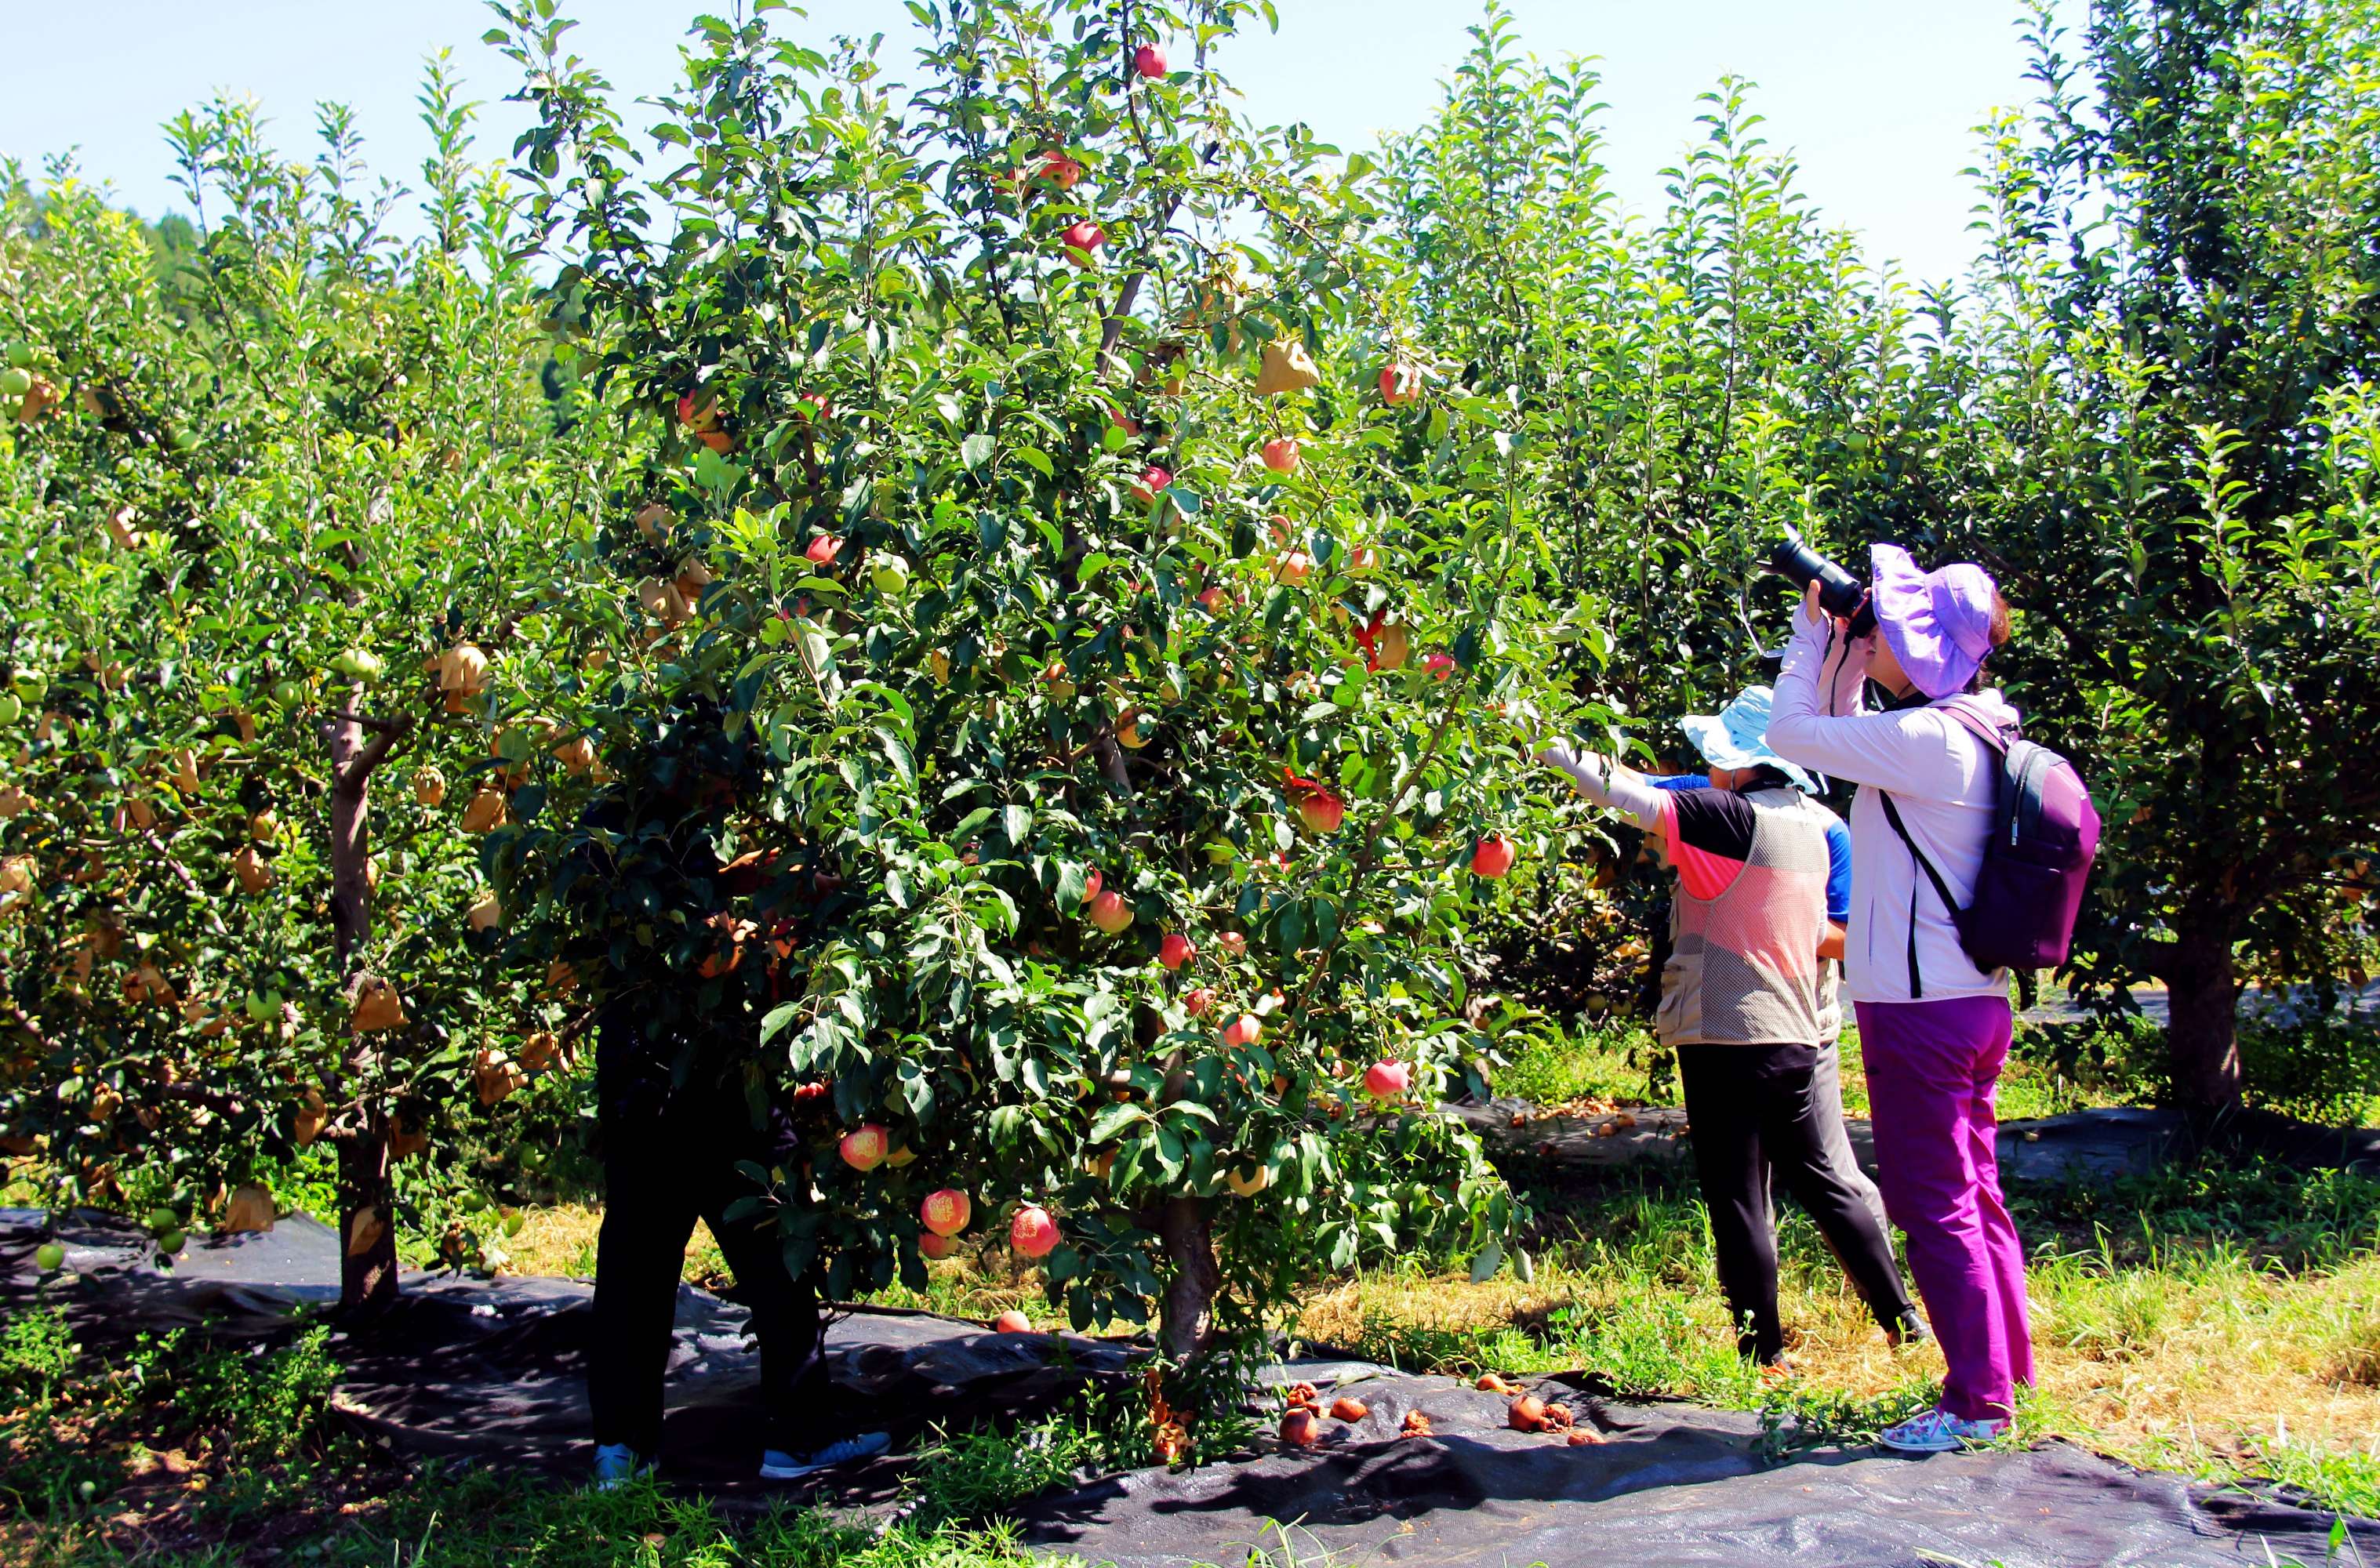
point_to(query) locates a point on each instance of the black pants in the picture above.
(1752, 1113)
(664, 1165)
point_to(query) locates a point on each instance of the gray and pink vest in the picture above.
(1743, 964)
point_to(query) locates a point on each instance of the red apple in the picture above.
(1234, 942)
(1244, 1030)
(1438, 664)
(934, 1245)
(1197, 1002)
(814, 405)
(946, 1213)
(1175, 951)
(824, 550)
(1033, 1234)
(1213, 600)
(1091, 885)
(1388, 1081)
(1293, 569)
(864, 1147)
(1013, 1320)
(1400, 384)
(1149, 61)
(1061, 171)
(1109, 912)
(1152, 480)
(1322, 812)
(1492, 856)
(1280, 454)
(1085, 236)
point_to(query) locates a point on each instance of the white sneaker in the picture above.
(1939, 1431)
(776, 1464)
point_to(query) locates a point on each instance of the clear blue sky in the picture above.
(1878, 98)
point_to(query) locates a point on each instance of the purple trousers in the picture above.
(1933, 1071)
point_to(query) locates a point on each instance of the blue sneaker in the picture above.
(776, 1464)
(1939, 1431)
(616, 1464)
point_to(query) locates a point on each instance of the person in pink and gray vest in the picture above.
(1933, 1028)
(1748, 1003)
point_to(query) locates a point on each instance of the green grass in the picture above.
(2220, 1321)
(177, 1450)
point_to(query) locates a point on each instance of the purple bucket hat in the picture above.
(1939, 624)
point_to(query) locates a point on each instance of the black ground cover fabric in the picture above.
(488, 1372)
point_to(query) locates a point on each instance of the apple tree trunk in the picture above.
(2202, 1033)
(366, 1215)
(1186, 1318)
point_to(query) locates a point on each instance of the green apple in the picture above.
(173, 1241)
(20, 357)
(15, 382)
(263, 1007)
(49, 1257)
(288, 694)
(12, 707)
(31, 685)
(891, 576)
(358, 664)
(163, 1220)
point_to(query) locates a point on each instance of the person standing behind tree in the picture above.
(1747, 1004)
(1933, 1028)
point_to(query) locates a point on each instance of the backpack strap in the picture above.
(1982, 728)
(1941, 890)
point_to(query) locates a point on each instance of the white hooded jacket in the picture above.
(1942, 778)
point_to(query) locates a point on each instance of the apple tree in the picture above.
(286, 502)
(1055, 716)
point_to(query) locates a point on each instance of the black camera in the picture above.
(1839, 593)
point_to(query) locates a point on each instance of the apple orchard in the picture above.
(981, 595)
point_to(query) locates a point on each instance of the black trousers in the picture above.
(1753, 1113)
(664, 1166)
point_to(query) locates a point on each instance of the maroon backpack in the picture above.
(2045, 836)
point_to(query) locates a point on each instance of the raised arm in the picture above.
(1603, 780)
(1815, 718)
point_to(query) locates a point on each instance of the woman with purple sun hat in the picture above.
(1933, 1028)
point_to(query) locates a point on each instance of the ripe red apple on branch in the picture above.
(865, 1147)
(1061, 170)
(1083, 239)
(1033, 1234)
(1244, 1030)
(1388, 1081)
(1493, 856)
(1153, 480)
(1149, 61)
(1110, 912)
(1177, 950)
(824, 550)
(945, 1213)
(1400, 384)
(1280, 454)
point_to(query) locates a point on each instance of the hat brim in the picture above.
(1709, 734)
